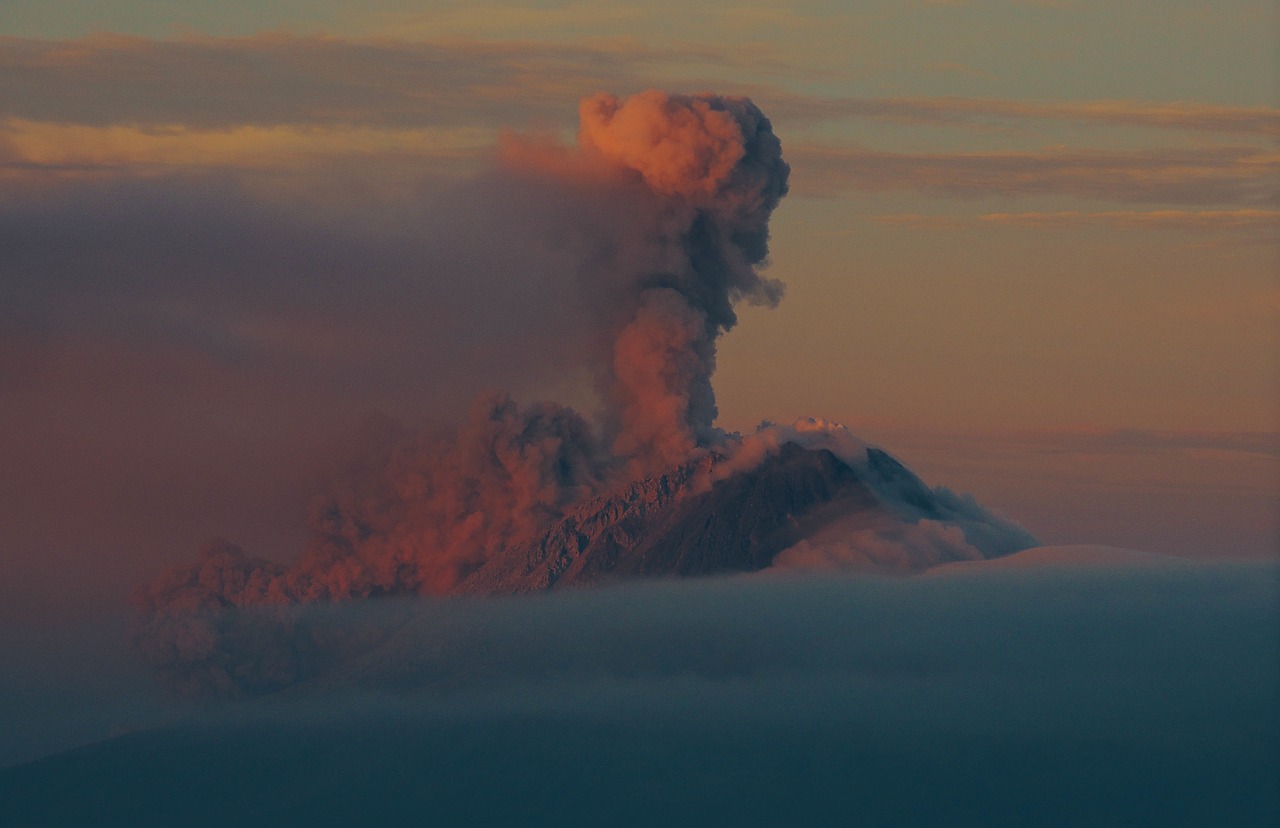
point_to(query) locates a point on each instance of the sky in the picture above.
(1029, 248)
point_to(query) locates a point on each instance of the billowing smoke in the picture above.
(716, 170)
(666, 201)
(695, 180)
(429, 512)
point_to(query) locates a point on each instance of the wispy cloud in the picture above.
(1129, 441)
(276, 79)
(287, 79)
(919, 220)
(33, 152)
(1086, 441)
(1214, 175)
(453, 19)
(1166, 115)
(1199, 221)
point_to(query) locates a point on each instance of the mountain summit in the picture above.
(799, 508)
(808, 496)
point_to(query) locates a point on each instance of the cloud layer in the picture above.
(107, 104)
(1027, 694)
(1240, 175)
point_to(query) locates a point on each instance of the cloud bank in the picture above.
(1031, 696)
(1180, 115)
(1226, 175)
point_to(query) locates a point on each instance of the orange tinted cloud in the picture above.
(716, 168)
(1197, 220)
(1200, 220)
(59, 145)
(1183, 115)
(1213, 175)
(276, 78)
(685, 149)
(662, 360)
(317, 163)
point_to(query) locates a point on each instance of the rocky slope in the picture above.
(791, 507)
(678, 524)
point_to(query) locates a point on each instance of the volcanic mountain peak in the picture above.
(686, 522)
(218, 626)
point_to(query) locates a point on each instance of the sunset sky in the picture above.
(1029, 248)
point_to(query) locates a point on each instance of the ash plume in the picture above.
(700, 177)
(689, 184)
(429, 512)
(665, 203)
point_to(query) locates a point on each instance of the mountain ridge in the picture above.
(681, 523)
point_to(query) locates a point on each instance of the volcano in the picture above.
(661, 211)
(233, 625)
(675, 524)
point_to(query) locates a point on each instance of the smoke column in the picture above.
(714, 170)
(696, 179)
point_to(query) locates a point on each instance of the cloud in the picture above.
(378, 110)
(280, 110)
(654, 226)
(274, 79)
(53, 146)
(1194, 220)
(1126, 441)
(879, 548)
(956, 111)
(1234, 222)
(159, 329)
(747, 452)
(465, 18)
(1016, 694)
(287, 161)
(290, 290)
(776, 623)
(398, 86)
(922, 220)
(1211, 176)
